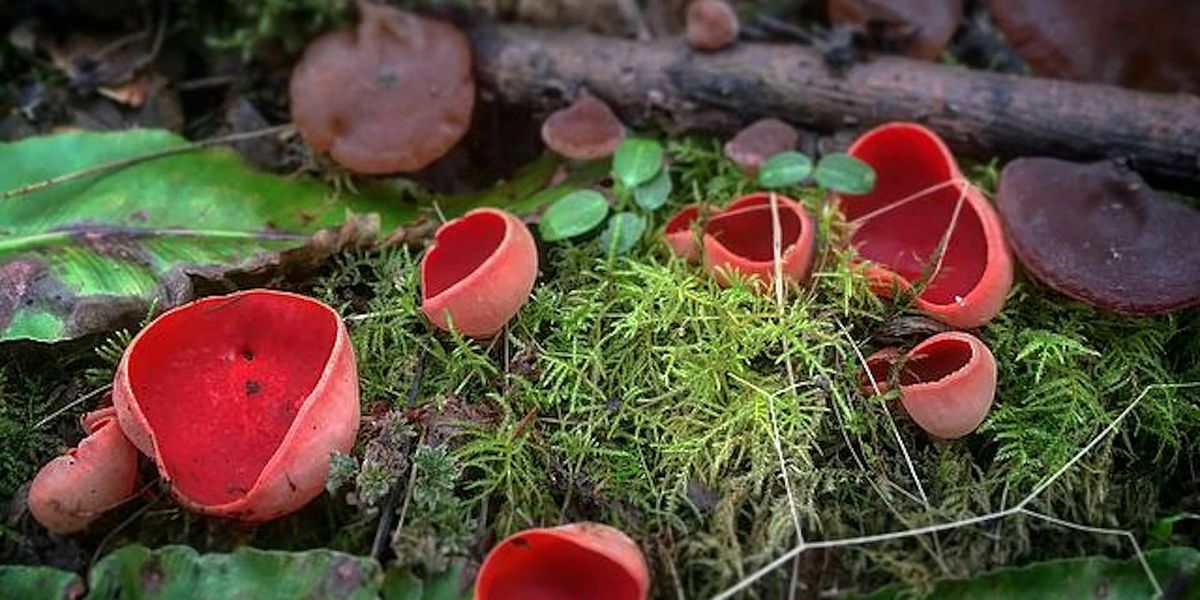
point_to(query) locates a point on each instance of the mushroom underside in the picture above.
(221, 383)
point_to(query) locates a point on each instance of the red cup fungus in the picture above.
(739, 240)
(1098, 233)
(710, 24)
(947, 382)
(241, 400)
(760, 140)
(580, 561)
(74, 489)
(922, 27)
(478, 273)
(920, 203)
(393, 95)
(586, 130)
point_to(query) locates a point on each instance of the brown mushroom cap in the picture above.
(762, 139)
(1151, 44)
(711, 24)
(925, 25)
(393, 95)
(1098, 233)
(586, 130)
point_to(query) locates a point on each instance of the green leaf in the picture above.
(574, 214)
(623, 232)
(636, 161)
(39, 583)
(784, 169)
(85, 255)
(844, 173)
(180, 573)
(653, 194)
(1161, 531)
(1090, 577)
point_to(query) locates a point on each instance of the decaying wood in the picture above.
(978, 113)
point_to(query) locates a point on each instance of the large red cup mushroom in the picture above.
(74, 489)
(920, 202)
(947, 382)
(241, 400)
(740, 239)
(478, 273)
(580, 561)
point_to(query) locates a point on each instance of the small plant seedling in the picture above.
(641, 185)
(836, 172)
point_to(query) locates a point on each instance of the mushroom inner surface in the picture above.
(747, 232)
(683, 220)
(936, 361)
(220, 383)
(905, 239)
(546, 567)
(460, 249)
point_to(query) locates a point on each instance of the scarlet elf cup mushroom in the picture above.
(478, 273)
(581, 561)
(239, 400)
(925, 228)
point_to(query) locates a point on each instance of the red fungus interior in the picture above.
(539, 566)
(747, 231)
(460, 249)
(221, 382)
(936, 361)
(904, 238)
(682, 221)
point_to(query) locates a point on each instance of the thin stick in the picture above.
(905, 200)
(1137, 548)
(141, 158)
(1018, 509)
(389, 505)
(72, 404)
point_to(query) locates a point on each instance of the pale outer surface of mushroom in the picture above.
(586, 130)
(393, 95)
(759, 141)
(711, 25)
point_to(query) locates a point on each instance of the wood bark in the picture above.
(981, 114)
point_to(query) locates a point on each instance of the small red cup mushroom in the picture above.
(947, 382)
(74, 489)
(586, 130)
(678, 233)
(711, 24)
(740, 239)
(919, 196)
(580, 561)
(241, 400)
(478, 273)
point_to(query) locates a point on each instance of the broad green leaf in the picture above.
(401, 584)
(784, 169)
(39, 583)
(574, 214)
(654, 193)
(1091, 577)
(623, 232)
(844, 173)
(180, 573)
(85, 255)
(636, 161)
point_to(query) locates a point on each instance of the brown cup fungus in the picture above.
(711, 25)
(392, 95)
(759, 141)
(586, 130)
(1098, 233)
(923, 27)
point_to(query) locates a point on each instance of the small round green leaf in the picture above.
(784, 169)
(637, 160)
(574, 214)
(844, 173)
(654, 193)
(623, 232)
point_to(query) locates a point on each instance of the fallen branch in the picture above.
(979, 113)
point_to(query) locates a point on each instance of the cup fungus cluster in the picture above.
(391, 96)
(580, 561)
(239, 400)
(478, 273)
(740, 239)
